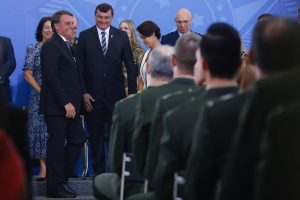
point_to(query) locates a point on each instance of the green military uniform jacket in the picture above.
(176, 139)
(121, 132)
(144, 112)
(107, 185)
(281, 88)
(163, 105)
(210, 146)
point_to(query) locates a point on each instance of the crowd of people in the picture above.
(191, 103)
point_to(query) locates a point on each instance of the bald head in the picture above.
(183, 20)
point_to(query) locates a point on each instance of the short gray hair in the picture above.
(185, 49)
(160, 62)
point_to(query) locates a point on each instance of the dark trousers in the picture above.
(65, 142)
(98, 124)
(5, 93)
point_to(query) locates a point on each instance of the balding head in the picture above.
(74, 29)
(183, 20)
(264, 16)
(160, 62)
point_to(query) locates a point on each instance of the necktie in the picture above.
(70, 49)
(69, 45)
(103, 43)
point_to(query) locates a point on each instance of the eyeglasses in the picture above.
(182, 22)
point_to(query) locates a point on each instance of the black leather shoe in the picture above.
(68, 189)
(38, 179)
(61, 192)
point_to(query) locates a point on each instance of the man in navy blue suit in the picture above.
(183, 22)
(61, 100)
(7, 66)
(103, 49)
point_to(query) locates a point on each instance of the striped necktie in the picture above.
(69, 47)
(103, 43)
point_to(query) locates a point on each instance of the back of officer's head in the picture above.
(160, 62)
(185, 49)
(276, 44)
(220, 48)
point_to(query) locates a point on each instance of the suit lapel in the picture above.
(111, 40)
(64, 47)
(176, 35)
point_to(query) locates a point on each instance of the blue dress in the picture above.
(37, 130)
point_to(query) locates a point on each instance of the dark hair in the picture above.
(104, 7)
(39, 29)
(264, 16)
(56, 17)
(185, 49)
(221, 48)
(276, 44)
(147, 28)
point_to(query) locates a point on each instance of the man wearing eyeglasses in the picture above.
(183, 22)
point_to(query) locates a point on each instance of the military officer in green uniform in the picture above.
(219, 57)
(275, 51)
(183, 67)
(185, 56)
(107, 185)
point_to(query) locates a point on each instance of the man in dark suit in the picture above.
(102, 50)
(183, 22)
(219, 60)
(61, 99)
(7, 66)
(123, 128)
(275, 51)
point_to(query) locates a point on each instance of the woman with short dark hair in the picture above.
(150, 35)
(37, 130)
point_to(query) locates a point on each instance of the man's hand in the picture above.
(88, 99)
(70, 110)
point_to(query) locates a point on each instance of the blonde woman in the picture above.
(127, 25)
